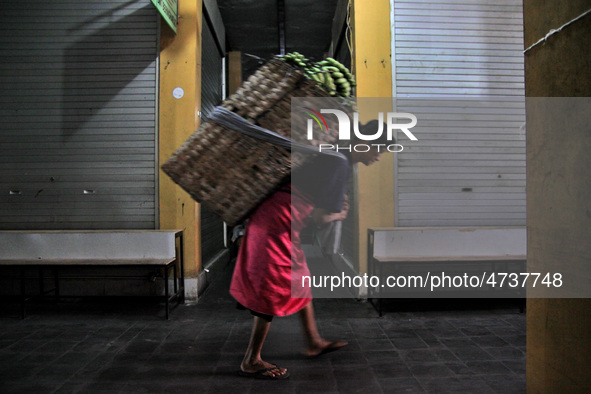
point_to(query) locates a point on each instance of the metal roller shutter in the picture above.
(78, 88)
(468, 167)
(212, 227)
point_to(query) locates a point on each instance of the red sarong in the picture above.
(271, 256)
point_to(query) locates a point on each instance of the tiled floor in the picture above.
(96, 346)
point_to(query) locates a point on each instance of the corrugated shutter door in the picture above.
(78, 105)
(468, 167)
(212, 227)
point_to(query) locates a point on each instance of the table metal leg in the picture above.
(23, 294)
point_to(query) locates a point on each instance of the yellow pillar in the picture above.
(372, 66)
(234, 71)
(180, 68)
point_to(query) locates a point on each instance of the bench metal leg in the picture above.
(166, 291)
(181, 259)
(175, 279)
(380, 295)
(41, 282)
(178, 286)
(375, 295)
(23, 294)
(56, 284)
(55, 290)
(522, 305)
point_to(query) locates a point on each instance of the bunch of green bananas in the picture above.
(330, 73)
(335, 77)
(296, 59)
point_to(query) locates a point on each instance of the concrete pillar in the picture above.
(372, 66)
(180, 67)
(234, 71)
(558, 194)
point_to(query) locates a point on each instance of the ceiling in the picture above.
(260, 28)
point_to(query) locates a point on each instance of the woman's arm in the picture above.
(322, 216)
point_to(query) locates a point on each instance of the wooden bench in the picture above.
(453, 251)
(54, 250)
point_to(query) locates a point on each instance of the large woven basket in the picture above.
(231, 173)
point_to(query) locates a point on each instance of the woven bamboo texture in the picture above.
(231, 173)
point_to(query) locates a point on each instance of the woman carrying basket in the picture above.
(271, 261)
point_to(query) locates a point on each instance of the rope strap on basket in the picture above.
(237, 123)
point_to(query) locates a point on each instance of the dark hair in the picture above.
(371, 128)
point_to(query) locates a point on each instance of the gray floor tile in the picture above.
(348, 358)
(400, 385)
(487, 367)
(505, 353)
(30, 387)
(506, 384)
(430, 370)
(368, 345)
(395, 369)
(409, 343)
(471, 353)
(464, 384)
(517, 366)
(379, 357)
(424, 355)
(489, 340)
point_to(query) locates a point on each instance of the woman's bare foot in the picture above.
(323, 347)
(263, 369)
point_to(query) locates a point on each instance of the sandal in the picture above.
(260, 374)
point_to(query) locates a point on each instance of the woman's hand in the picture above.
(322, 216)
(343, 214)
